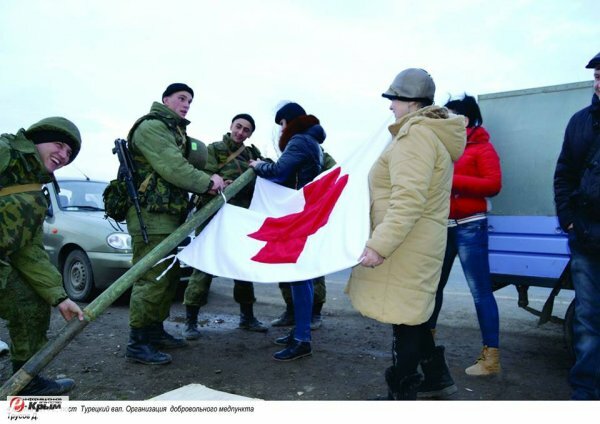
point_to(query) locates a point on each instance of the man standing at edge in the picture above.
(578, 215)
(29, 283)
(160, 147)
(229, 158)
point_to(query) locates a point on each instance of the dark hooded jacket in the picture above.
(302, 157)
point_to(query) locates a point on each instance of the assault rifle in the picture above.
(127, 174)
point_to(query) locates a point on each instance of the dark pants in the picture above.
(302, 294)
(585, 374)
(196, 292)
(410, 345)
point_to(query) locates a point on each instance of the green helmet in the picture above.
(198, 153)
(62, 128)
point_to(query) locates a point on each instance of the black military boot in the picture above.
(402, 387)
(438, 383)
(41, 386)
(248, 321)
(158, 337)
(316, 319)
(191, 331)
(286, 319)
(140, 350)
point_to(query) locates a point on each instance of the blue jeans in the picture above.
(470, 242)
(585, 374)
(302, 296)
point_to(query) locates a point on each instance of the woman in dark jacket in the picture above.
(300, 162)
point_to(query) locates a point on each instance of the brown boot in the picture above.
(488, 363)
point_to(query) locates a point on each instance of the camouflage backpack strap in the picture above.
(21, 188)
(169, 124)
(232, 156)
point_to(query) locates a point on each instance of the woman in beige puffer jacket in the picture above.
(410, 198)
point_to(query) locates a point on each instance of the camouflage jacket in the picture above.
(217, 163)
(21, 219)
(328, 160)
(159, 146)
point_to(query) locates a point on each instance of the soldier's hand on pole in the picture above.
(218, 183)
(68, 309)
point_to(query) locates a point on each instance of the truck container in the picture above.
(526, 244)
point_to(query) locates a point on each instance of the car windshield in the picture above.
(81, 195)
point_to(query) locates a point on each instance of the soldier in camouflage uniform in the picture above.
(286, 319)
(29, 283)
(160, 149)
(229, 158)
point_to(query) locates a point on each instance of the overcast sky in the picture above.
(101, 63)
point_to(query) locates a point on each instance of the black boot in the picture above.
(248, 321)
(438, 382)
(139, 349)
(316, 319)
(163, 340)
(41, 386)
(402, 387)
(191, 331)
(286, 319)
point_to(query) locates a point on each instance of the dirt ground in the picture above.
(350, 353)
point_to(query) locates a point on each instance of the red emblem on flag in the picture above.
(287, 235)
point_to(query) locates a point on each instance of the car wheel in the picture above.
(78, 278)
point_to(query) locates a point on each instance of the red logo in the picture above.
(17, 404)
(287, 235)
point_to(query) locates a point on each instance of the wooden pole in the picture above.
(38, 361)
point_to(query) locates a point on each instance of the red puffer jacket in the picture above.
(477, 175)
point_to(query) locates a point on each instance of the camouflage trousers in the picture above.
(196, 293)
(320, 291)
(28, 317)
(151, 299)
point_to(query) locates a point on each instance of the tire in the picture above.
(568, 329)
(78, 277)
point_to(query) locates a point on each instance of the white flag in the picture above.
(292, 235)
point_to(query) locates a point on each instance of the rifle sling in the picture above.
(233, 156)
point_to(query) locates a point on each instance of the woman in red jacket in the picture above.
(477, 176)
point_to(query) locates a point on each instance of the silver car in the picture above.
(90, 251)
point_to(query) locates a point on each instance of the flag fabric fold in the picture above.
(292, 235)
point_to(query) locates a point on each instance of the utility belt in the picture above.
(22, 188)
(472, 218)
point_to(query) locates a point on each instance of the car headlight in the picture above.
(119, 241)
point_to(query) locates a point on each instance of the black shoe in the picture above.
(140, 350)
(295, 350)
(438, 383)
(316, 321)
(158, 337)
(285, 320)
(252, 324)
(191, 332)
(285, 340)
(41, 386)
(402, 387)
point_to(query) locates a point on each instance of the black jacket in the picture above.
(300, 162)
(581, 131)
